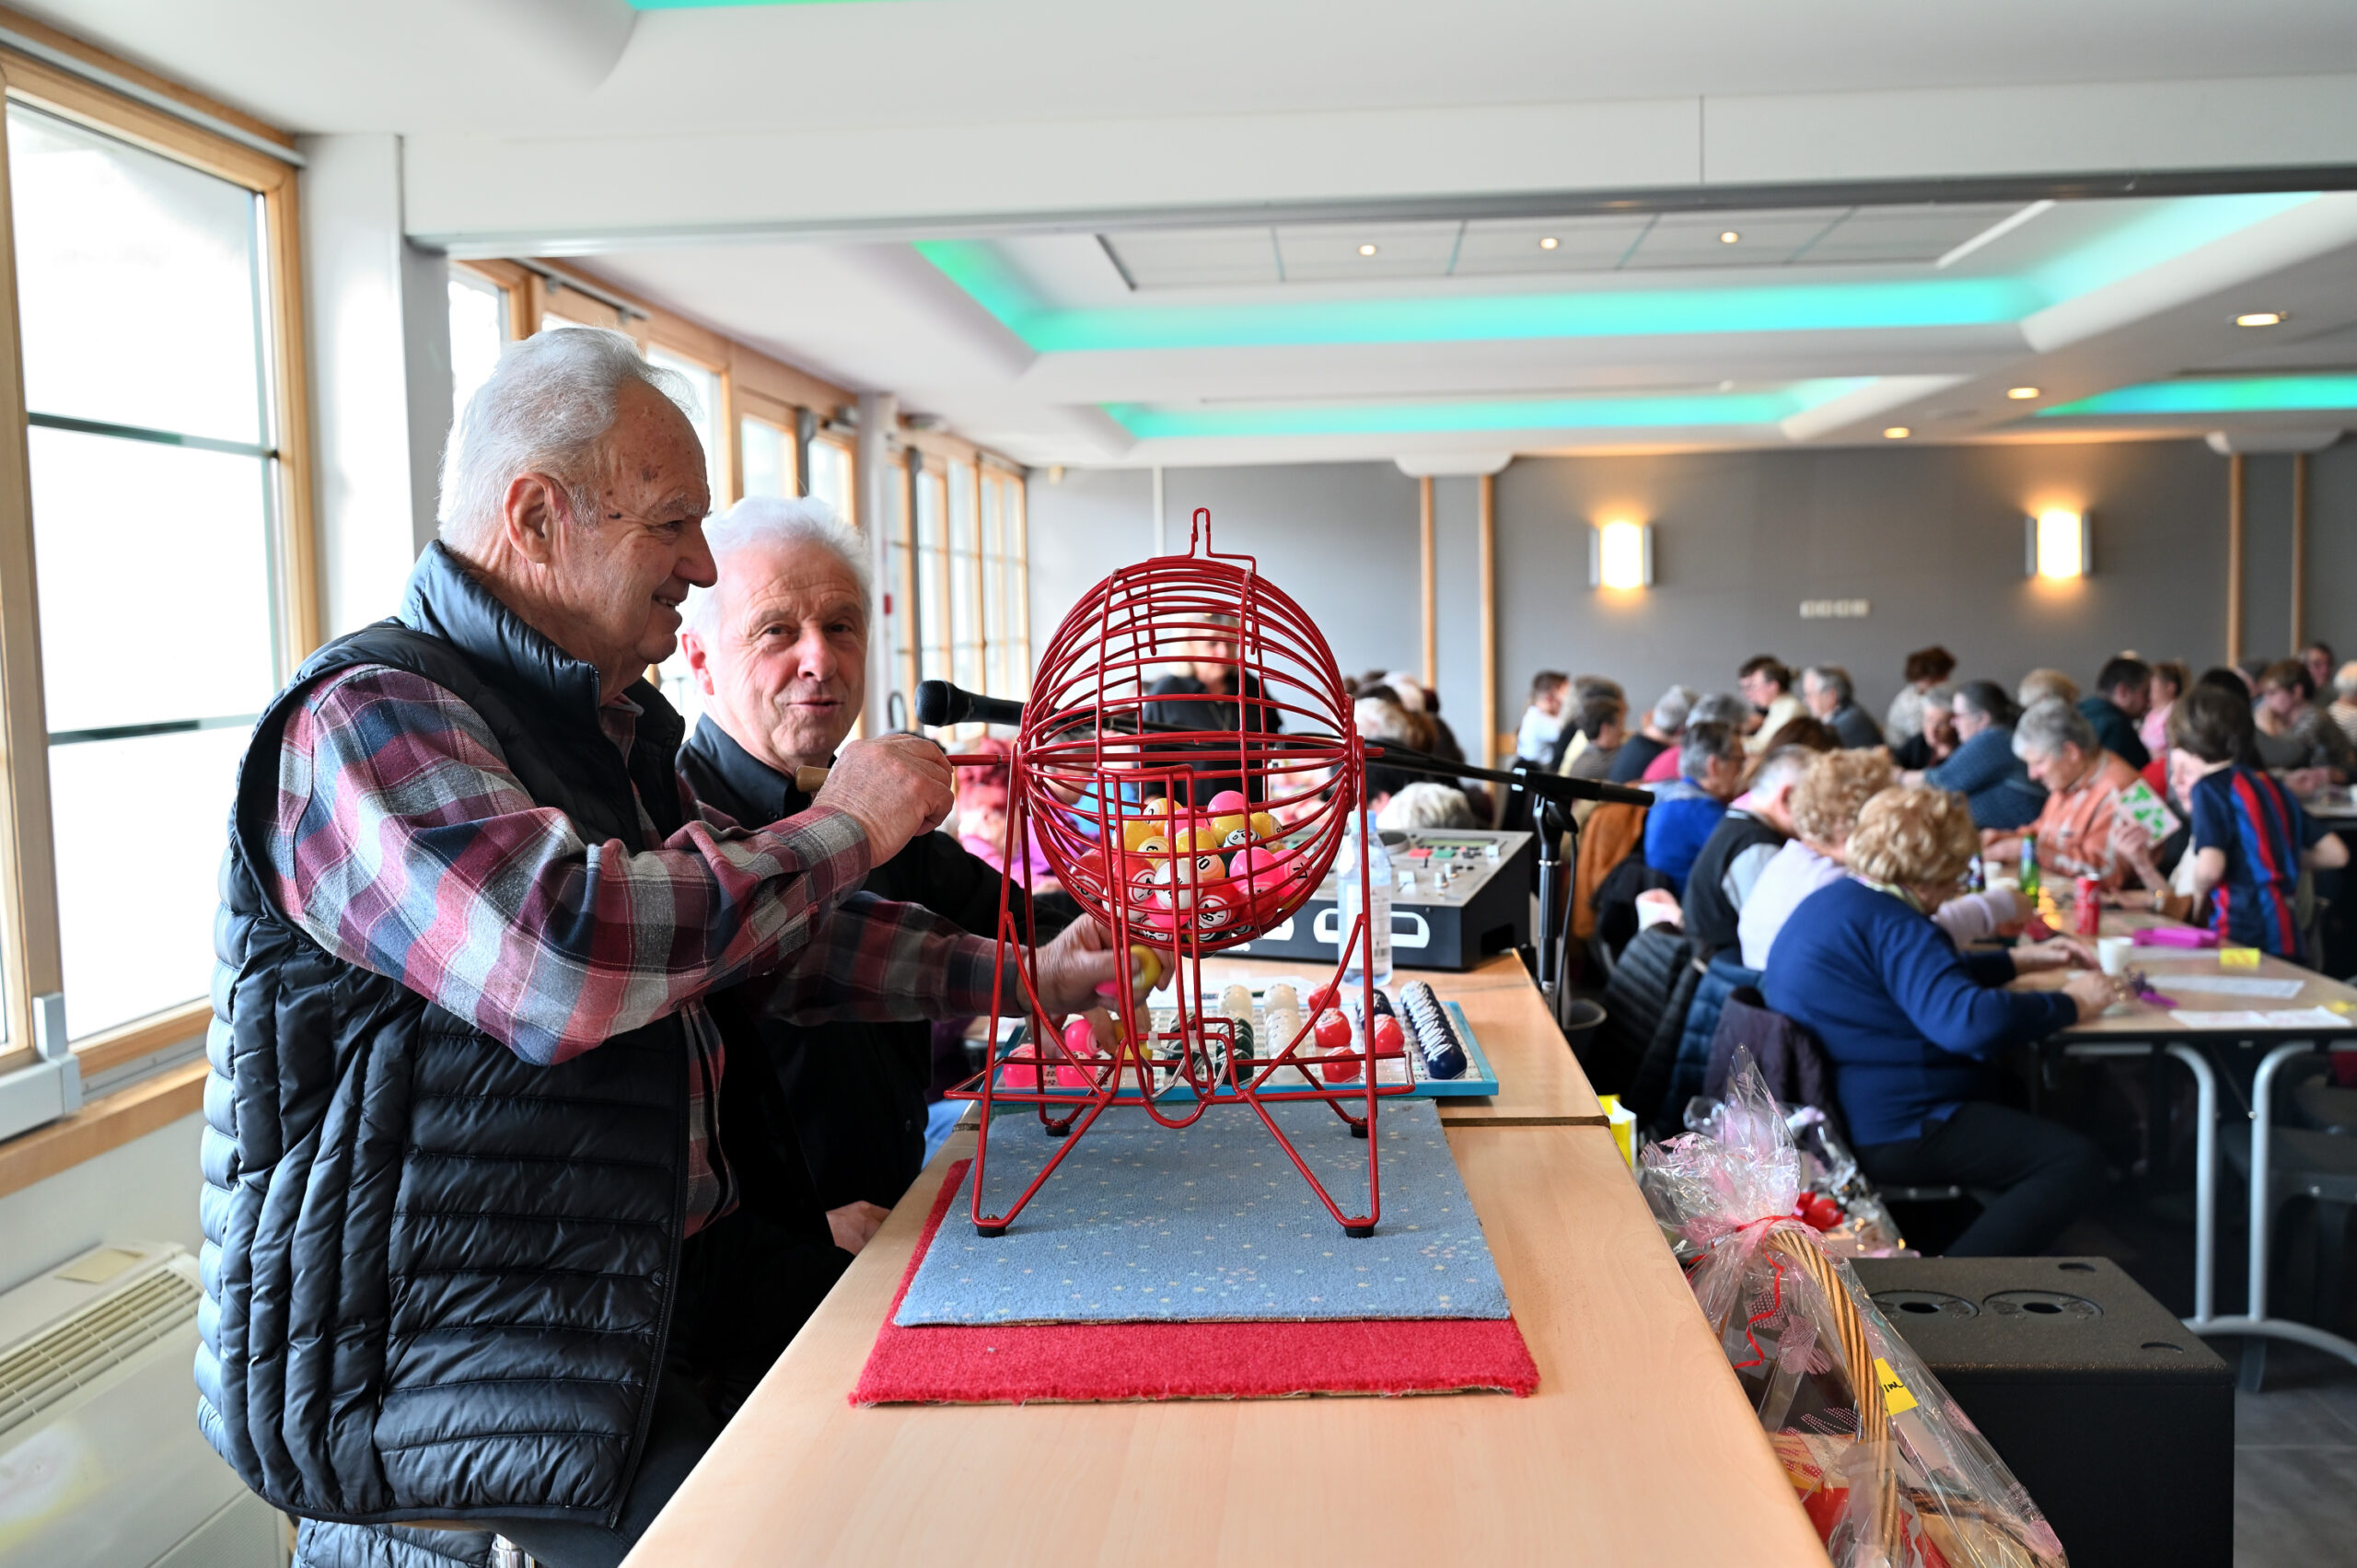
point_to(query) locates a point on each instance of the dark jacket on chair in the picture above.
(1648, 992)
(1789, 1058)
(1689, 1067)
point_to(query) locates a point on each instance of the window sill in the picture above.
(102, 1124)
(144, 1037)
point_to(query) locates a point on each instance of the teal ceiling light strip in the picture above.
(2221, 394)
(2168, 232)
(1604, 313)
(1679, 410)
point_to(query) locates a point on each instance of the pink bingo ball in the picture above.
(1228, 800)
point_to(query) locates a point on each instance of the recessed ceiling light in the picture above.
(2260, 319)
(1548, 243)
(1897, 433)
(1366, 250)
(2021, 394)
(1728, 236)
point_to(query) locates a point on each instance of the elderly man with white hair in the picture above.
(477, 1249)
(778, 650)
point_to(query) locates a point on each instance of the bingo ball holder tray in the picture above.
(1187, 878)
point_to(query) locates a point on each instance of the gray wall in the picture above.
(1931, 537)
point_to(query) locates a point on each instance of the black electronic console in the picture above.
(1458, 896)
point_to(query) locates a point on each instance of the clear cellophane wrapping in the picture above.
(1888, 1467)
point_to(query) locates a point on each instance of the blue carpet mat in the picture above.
(1143, 1224)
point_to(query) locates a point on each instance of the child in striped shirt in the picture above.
(2250, 839)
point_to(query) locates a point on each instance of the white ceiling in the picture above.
(1176, 200)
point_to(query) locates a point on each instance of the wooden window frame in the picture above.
(32, 962)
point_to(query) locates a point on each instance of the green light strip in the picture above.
(2157, 237)
(1756, 408)
(2242, 394)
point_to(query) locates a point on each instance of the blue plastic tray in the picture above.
(1478, 1077)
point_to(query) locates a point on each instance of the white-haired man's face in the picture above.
(607, 589)
(785, 662)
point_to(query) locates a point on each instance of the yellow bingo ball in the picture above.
(1149, 966)
(1137, 829)
(1158, 807)
(1265, 826)
(1232, 831)
(1153, 843)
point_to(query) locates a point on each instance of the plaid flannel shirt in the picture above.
(402, 843)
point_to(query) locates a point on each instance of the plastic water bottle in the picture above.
(1346, 871)
(2031, 882)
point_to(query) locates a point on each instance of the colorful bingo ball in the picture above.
(1173, 890)
(1142, 884)
(1321, 1000)
(1386, 1036)
(1264, 826)
(1333, 1029)
(1136, 830)
(1230, 800)
(1232, 830)
(1214, 911)
(1158, 807)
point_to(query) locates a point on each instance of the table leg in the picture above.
(2254, 1323)
(2205, 1181)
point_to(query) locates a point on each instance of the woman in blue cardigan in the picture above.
(1911, 1026)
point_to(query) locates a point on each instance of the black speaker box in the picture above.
(2114, 1416)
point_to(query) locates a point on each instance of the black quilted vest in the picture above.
(438, 1279)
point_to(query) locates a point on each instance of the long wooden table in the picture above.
(1638, 1442)
(2206, 1049)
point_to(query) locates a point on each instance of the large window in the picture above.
(830, 469)
(480, 313)
(766, 459)
(1006, 587)
(167, 532)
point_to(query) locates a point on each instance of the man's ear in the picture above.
(530, 514)
(691, 649)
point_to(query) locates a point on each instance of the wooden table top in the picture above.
(1540, 1081)
(2138, 1020)
(1638, 1435)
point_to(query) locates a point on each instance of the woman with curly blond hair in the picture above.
(1911, 1026)
(1825, 806)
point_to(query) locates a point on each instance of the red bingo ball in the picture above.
(1388, 1041)
(1333, 1031)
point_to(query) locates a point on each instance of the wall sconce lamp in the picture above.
(1620, 556)
(2058, 547)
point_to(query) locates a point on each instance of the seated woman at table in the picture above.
(1824, 805)
(2250, 839)
(2295, 735)
(2101, 820)
(1911, 1026)
(1983, 768)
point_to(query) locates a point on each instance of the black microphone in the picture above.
(939, 703)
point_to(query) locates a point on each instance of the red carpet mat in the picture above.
(1069, 1362)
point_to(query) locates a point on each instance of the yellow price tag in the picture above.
(2238, 957)
(1895, 1397)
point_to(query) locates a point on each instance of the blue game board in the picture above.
(1213, 1223)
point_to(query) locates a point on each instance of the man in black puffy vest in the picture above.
(777, 652)
(474, 1245)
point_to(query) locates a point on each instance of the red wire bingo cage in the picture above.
(1168, 835)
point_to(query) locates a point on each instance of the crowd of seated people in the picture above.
(1840, 865)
